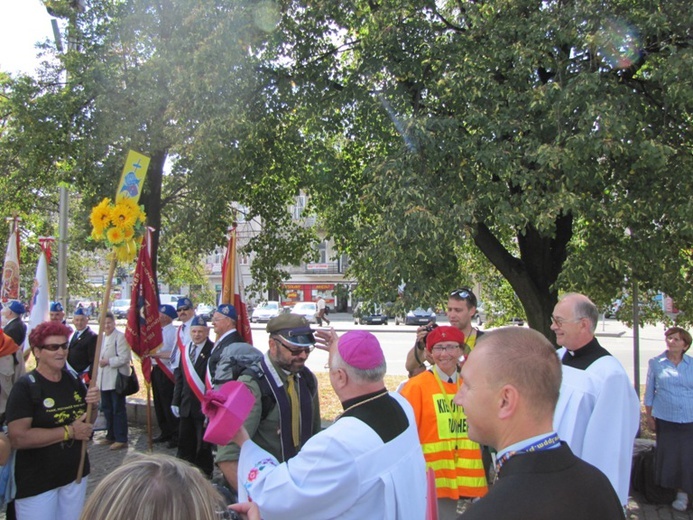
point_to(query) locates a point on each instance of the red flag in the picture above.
(232, 287)
(143, 331)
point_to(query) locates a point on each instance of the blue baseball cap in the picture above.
(198, 321)
(169, 311)
(56, 307)
(228, 310)
(17, 307)
(184, 302)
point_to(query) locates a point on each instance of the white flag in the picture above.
(40, 301)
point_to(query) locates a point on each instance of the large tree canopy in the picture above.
(539, 131)
(535, 132)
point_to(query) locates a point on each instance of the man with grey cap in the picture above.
(286, 412)
(368, 464)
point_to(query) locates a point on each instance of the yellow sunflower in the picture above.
(101, 216)
(115, 235)
(123, 216)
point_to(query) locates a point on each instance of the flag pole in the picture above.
(97, 356)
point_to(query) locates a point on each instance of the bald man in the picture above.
(510, 386)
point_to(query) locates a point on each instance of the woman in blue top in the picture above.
(669, 411)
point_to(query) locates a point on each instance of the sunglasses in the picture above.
(464, 294)
(52, 347)
(295, 351)
(185, 308)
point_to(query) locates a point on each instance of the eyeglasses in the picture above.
(464, 294)
(52, 347)
(184, 308)
(295, 351)
(448, 348)
(559, 322)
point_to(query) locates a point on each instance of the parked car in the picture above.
(205, 310)
(265, 311)
(170, 299)
(418, 316)
(369, 313)
(306, 309)
(120, 308)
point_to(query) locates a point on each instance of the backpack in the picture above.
(35, 388)
(255, 371)
(642, 478)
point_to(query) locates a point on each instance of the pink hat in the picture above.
(444, 333)
(360, 349)
(226, 408)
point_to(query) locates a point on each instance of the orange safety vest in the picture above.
(442, 426)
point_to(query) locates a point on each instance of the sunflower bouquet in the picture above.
(118, 225)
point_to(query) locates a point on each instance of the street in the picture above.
(396, 340)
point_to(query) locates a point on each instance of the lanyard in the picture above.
(545, 443)
(455, 411)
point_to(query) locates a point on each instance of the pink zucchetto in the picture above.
(360, 349)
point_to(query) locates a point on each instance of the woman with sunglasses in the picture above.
(46, 416)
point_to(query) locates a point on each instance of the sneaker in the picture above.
(105, 441)
(681, 502)
(118, 446)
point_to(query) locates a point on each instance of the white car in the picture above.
(265, 311)
(306, 309)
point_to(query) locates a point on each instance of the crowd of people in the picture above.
(490, 418)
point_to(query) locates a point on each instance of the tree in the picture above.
(537, 131)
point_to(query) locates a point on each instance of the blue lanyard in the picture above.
(547, 443)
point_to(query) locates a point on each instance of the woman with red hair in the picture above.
(46, 419)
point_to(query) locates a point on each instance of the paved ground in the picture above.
(103, 461)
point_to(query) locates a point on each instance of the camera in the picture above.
(430, 327)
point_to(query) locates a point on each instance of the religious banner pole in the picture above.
(118, 224)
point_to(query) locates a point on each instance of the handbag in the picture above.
(126, 384)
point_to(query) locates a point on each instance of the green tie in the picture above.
(295, 409)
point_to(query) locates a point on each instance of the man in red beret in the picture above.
(442, 425)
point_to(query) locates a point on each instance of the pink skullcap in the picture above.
(360, 349)
(444, 333)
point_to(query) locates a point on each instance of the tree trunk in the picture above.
(534, 274)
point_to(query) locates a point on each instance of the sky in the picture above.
(22, 24)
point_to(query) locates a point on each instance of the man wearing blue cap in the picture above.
(57, 312)
(164, 363)
(224, 323)
(187, 398)
(286, 412)
(82, 348)
(186, 314)
(12, 365)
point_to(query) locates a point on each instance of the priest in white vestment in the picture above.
(368, 464)
(598, 411)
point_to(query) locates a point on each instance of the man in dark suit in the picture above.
(80, 355)
(224, 324)
(510, 387)
(187, 398)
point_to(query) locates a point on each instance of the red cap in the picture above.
(444, 333)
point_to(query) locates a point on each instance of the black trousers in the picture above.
(162, 388)
(192, 448)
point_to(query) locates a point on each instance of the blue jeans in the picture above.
(113, 407)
